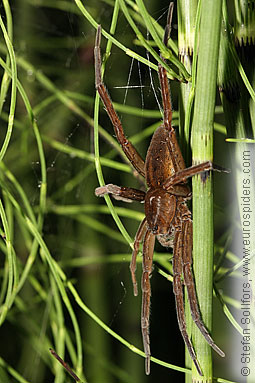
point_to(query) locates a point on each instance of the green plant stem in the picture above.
(144, 42)
(128, 51)
(13, 89)
(6, 79)
(202, 148)
(186, 31)
(158, 40)
(188, 44)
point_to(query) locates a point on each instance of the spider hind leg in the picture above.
(182, 263)
(138, 238)
(179, 301)
(148, 248)
(190, 285)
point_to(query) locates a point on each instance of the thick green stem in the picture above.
(186, 31)
(202, 147)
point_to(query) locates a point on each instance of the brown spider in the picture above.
(167, 216)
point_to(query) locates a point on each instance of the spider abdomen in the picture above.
(160, 207)
(163, 159)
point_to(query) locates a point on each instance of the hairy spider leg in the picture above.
(168, 26)
(138, 239)
(121, 193)
(183, 174)
(65, 365)
(176, 155)
(148, 249)
(129, 150)
(166, 98)
(178, 292)
(187, 231)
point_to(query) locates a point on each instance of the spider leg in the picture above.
(183, 174)
(176, 156)
(138, 238)
(189, 282)
(121, 193)
(148, 248)
(180, 190)
(129, 150)
(178, 291)
(166, 98)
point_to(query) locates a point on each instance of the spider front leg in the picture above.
(121, 193)
(182, 175)
(166, 99)
(148, 248)
(129, 150)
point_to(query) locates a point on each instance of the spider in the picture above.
(167, 216)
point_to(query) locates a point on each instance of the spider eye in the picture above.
(155, 229)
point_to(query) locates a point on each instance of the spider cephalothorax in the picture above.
(167, 216)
